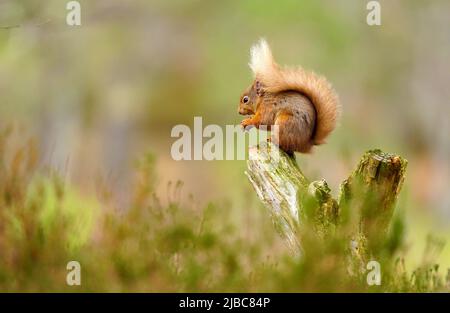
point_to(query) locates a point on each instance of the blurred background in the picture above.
(98, 96)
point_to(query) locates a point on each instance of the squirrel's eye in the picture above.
(245, 99)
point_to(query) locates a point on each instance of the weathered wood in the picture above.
(370, 191)
(282, 187)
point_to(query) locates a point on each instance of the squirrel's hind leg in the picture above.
(290, 134)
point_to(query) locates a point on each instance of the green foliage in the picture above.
(57, 204)
(151, 246)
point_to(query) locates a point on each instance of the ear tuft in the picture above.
(261, 59)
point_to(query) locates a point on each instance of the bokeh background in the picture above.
(99, 96)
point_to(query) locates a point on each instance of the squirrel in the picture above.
(302, 104)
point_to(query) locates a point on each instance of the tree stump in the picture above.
(370, 193)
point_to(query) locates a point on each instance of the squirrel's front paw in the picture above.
(247, 124)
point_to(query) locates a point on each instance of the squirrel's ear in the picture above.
(261, 59)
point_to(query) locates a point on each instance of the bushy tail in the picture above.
(315, 87)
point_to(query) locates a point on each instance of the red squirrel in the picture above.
(302, 104)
